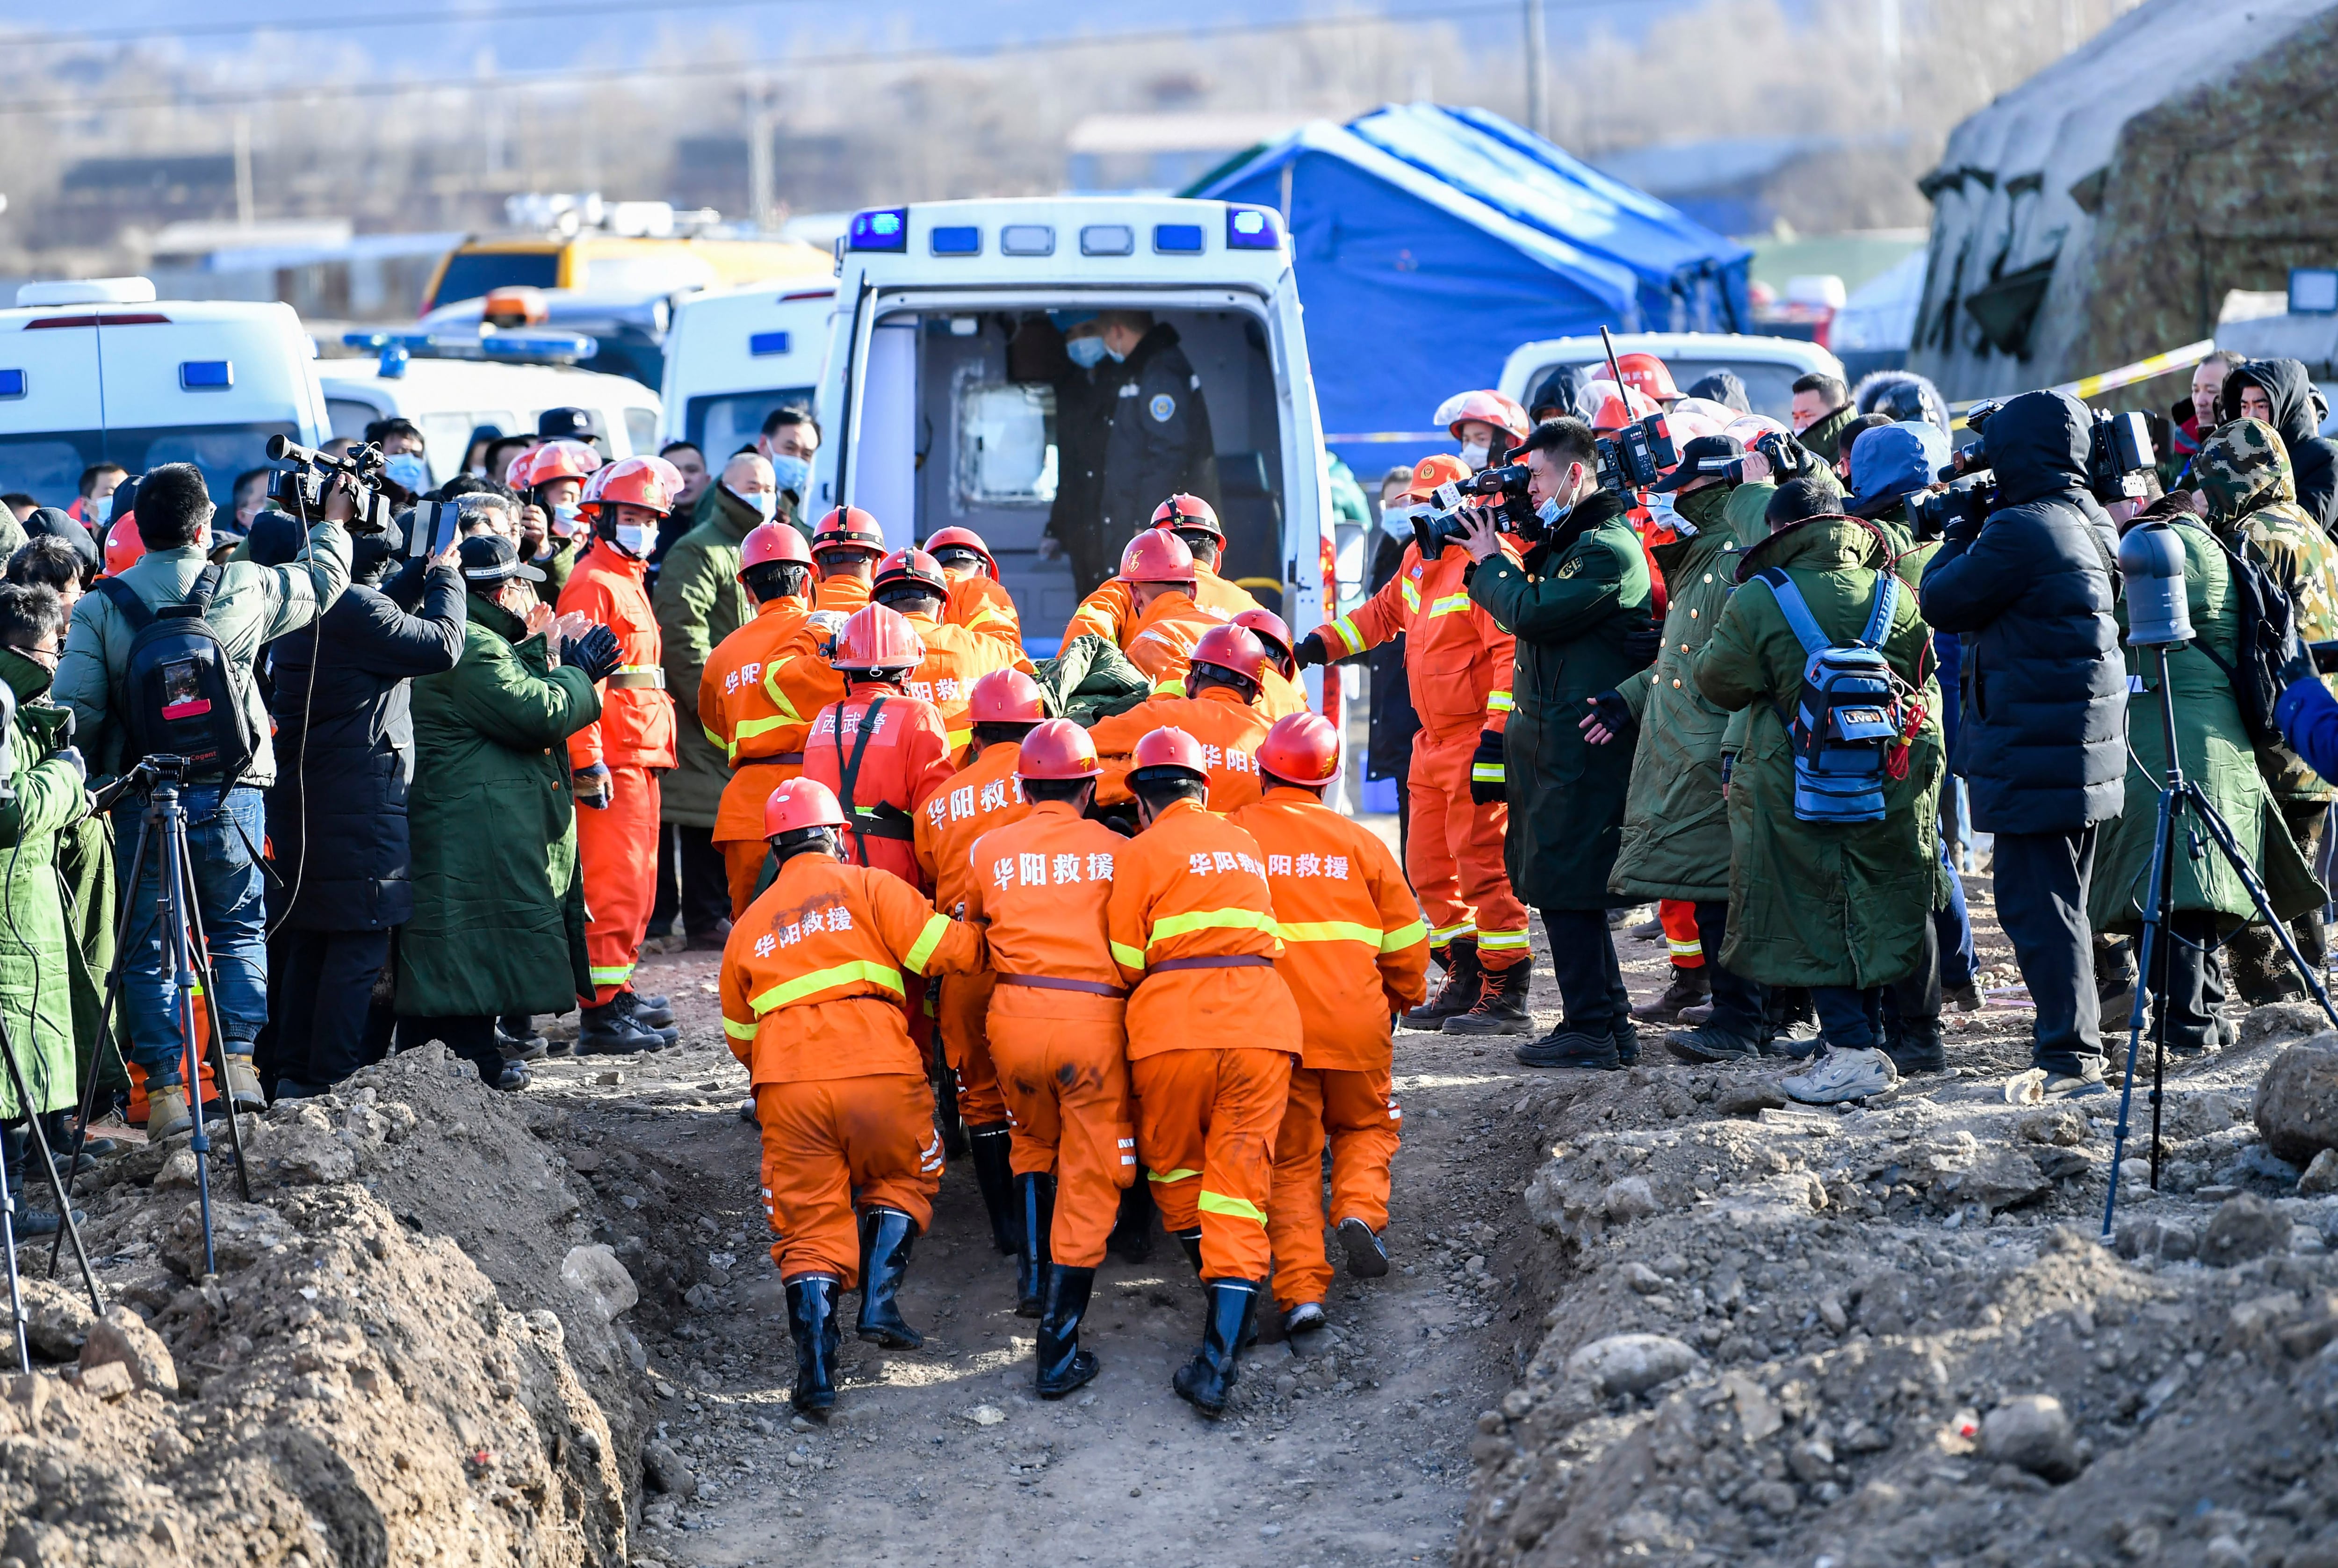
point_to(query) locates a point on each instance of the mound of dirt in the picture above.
(407, 1351)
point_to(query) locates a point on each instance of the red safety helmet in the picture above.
(1005, 697)
(649, 483)
(1182, 511)
(877, 638)
(1301, 747)
(1233, 649)
(1058, 749)
(1271, 629)
(958, 539)
(561, 459)
(1169, 747)
(1156, 556)
(848, 528)
(769, 542)
(1647, 374)
(1488, 407)
(914, 567)
(123, 544)
(799, 804)
(1435, 470)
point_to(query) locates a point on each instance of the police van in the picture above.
(100, 371)
(734, 356)
(926, 426)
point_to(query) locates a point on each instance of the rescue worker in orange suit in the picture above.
(1354, 953)
(1280, 693)
(763, 686)
(812, 985)
(1220, 711)
(981, 796)
(1459, 665)
(1038, 890)
(1112, 611)
(912, 582)
(1481, 421)
(1159, 571)
(846, 546)
(1212, 1035)
(880, 750)
(977, 600)
(615, 762)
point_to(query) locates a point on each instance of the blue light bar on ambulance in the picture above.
(1252, 228)
(767, 343)
(883, 229)
(1177, 239)
(957, 240)
(206, 375)
(12, 384)
(527, 346)
(537, 345)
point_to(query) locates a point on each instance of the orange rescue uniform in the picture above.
(982, 796)
(812, 986)
(1457, 665)
(905, 759)
(1057, 1017)
(762, 685)
(633, 737)
(1162, 644)
(955, 659)
(1111, 611)
(980, 604)
(1228, 728)
(1212, 1028)
(843, 593)
(1354, 952)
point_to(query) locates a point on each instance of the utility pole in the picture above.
(762, 185)
(1537, 106)
(1887, 46)
(244, 204)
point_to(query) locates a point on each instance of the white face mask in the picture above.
(636, 539)
(1474, 453)
(1396, 518)
(1550, 511)
(1663, 514)
(766, 505)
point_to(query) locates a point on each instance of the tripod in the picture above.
(2178, 797)
(186, 967)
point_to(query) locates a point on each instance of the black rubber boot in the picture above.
(1035, 1200)
(1914, 1046)
(658, 1019)
(811, 1324)
(1062, 1364)
(1131, 1240)
(1189, 1242)
(1591, 1046)
(1460, 990)
(1689, 987)
(886, 1235)
(1501, 1004)
(611, 1030)
(1207, 1381)
(990, 1146)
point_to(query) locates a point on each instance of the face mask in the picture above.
(566, 520)
(636, 539)
(1087, 353)
(1116, 355)
(1474, 453)
(1663, 515)
(408, 472)
(1549, 512)
(765, 504)
(790, 474)
(1397, 520)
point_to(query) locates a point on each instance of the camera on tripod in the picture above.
(1500, 488)
(2118, 454)
(301, 488)
(1636, 456)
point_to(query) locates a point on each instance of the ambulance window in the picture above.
(221, 451)
(1006, 444)
(48, 467)
(641, 428)
(349, 417)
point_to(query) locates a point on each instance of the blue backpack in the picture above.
(1849, 712)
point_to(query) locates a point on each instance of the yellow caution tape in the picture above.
(2086, 387)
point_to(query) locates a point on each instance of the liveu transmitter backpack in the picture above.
(1847, 713)
(175, 698)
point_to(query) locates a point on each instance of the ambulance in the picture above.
(734, 355)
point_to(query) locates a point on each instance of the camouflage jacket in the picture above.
(2244, 471)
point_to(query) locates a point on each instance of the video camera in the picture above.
(301, 488)
(1636, 456)
(1787, 458)
(2119, 453)
(1500, 488)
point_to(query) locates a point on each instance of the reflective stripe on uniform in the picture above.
(1169, 687)
(1402, 937)
(1181, 1174)
(1349, 634)
(1496, 941)
(1498, 702)
(1127, 957)
(928, 940)
(1411, 594)
(714, 739)
(1239, 1207)
(1209, 920)
(612, 974)
(1486, 773)
(1689, 948)
(1444, 934)
(803, 985)
(1328, 931)
(750, 728)
(958, 738)
(737, 1030)
(772, 687)
(1451, 605)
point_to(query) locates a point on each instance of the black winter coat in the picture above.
(1082, 425)
(2297, 414)
(1160, 443)
(1387, 748)
(2042, 742)
(346, 741)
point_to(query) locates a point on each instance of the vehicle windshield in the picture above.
(47, 465)
(721, 425)
(1769, 385)
(472, 274)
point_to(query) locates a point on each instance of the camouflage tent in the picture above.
(2099, 213)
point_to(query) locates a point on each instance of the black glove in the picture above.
(1614, 714)
(593, 786)
(1309, 650)
(595, 653)
(1643, 645)
(1487, 779)
(2297, 660)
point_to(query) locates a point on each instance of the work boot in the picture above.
(511, 1076)
(1035, 1201)
(1709, 1043)
(1501, 1004)
(1207, 1381)
(1694, 1017)
(886, 1235)
(1062, 1364)
(1591, 1046)
(811, 1324)
(657, 1019)
(1790, 1027)
(995, 1177)
(611, 1030)
(1189, 1242)
(243, 1090)
(1964, 996)
(1689, 987)
(1307, 1317)
(1368, 1256)
(1460, 990)
(166, 1111)
(1914, 1046)
(529, 1047)
(1628, 1040)
(1131, 1240)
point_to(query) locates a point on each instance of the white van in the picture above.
(1768, 366)
(734, 356)
(448, 399)
(925, 430)
(99, 370)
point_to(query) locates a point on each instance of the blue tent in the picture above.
(1429, 242)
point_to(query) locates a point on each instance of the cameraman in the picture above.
(226, 818)
(2041, 741)
(1571, 606)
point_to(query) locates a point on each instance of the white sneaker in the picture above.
(1837, 1076)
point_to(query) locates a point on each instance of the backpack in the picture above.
(2264, 616)
(174, 694)
(1848, 713)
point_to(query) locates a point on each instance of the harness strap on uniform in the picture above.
(847, 773)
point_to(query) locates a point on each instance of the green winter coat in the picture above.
(556, 566)
(498, 920)
(86, 879)
(699, 602)
(1569, 604)
(1676, 842)
(1819, 903)
(2217, 756)
(42, 973)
